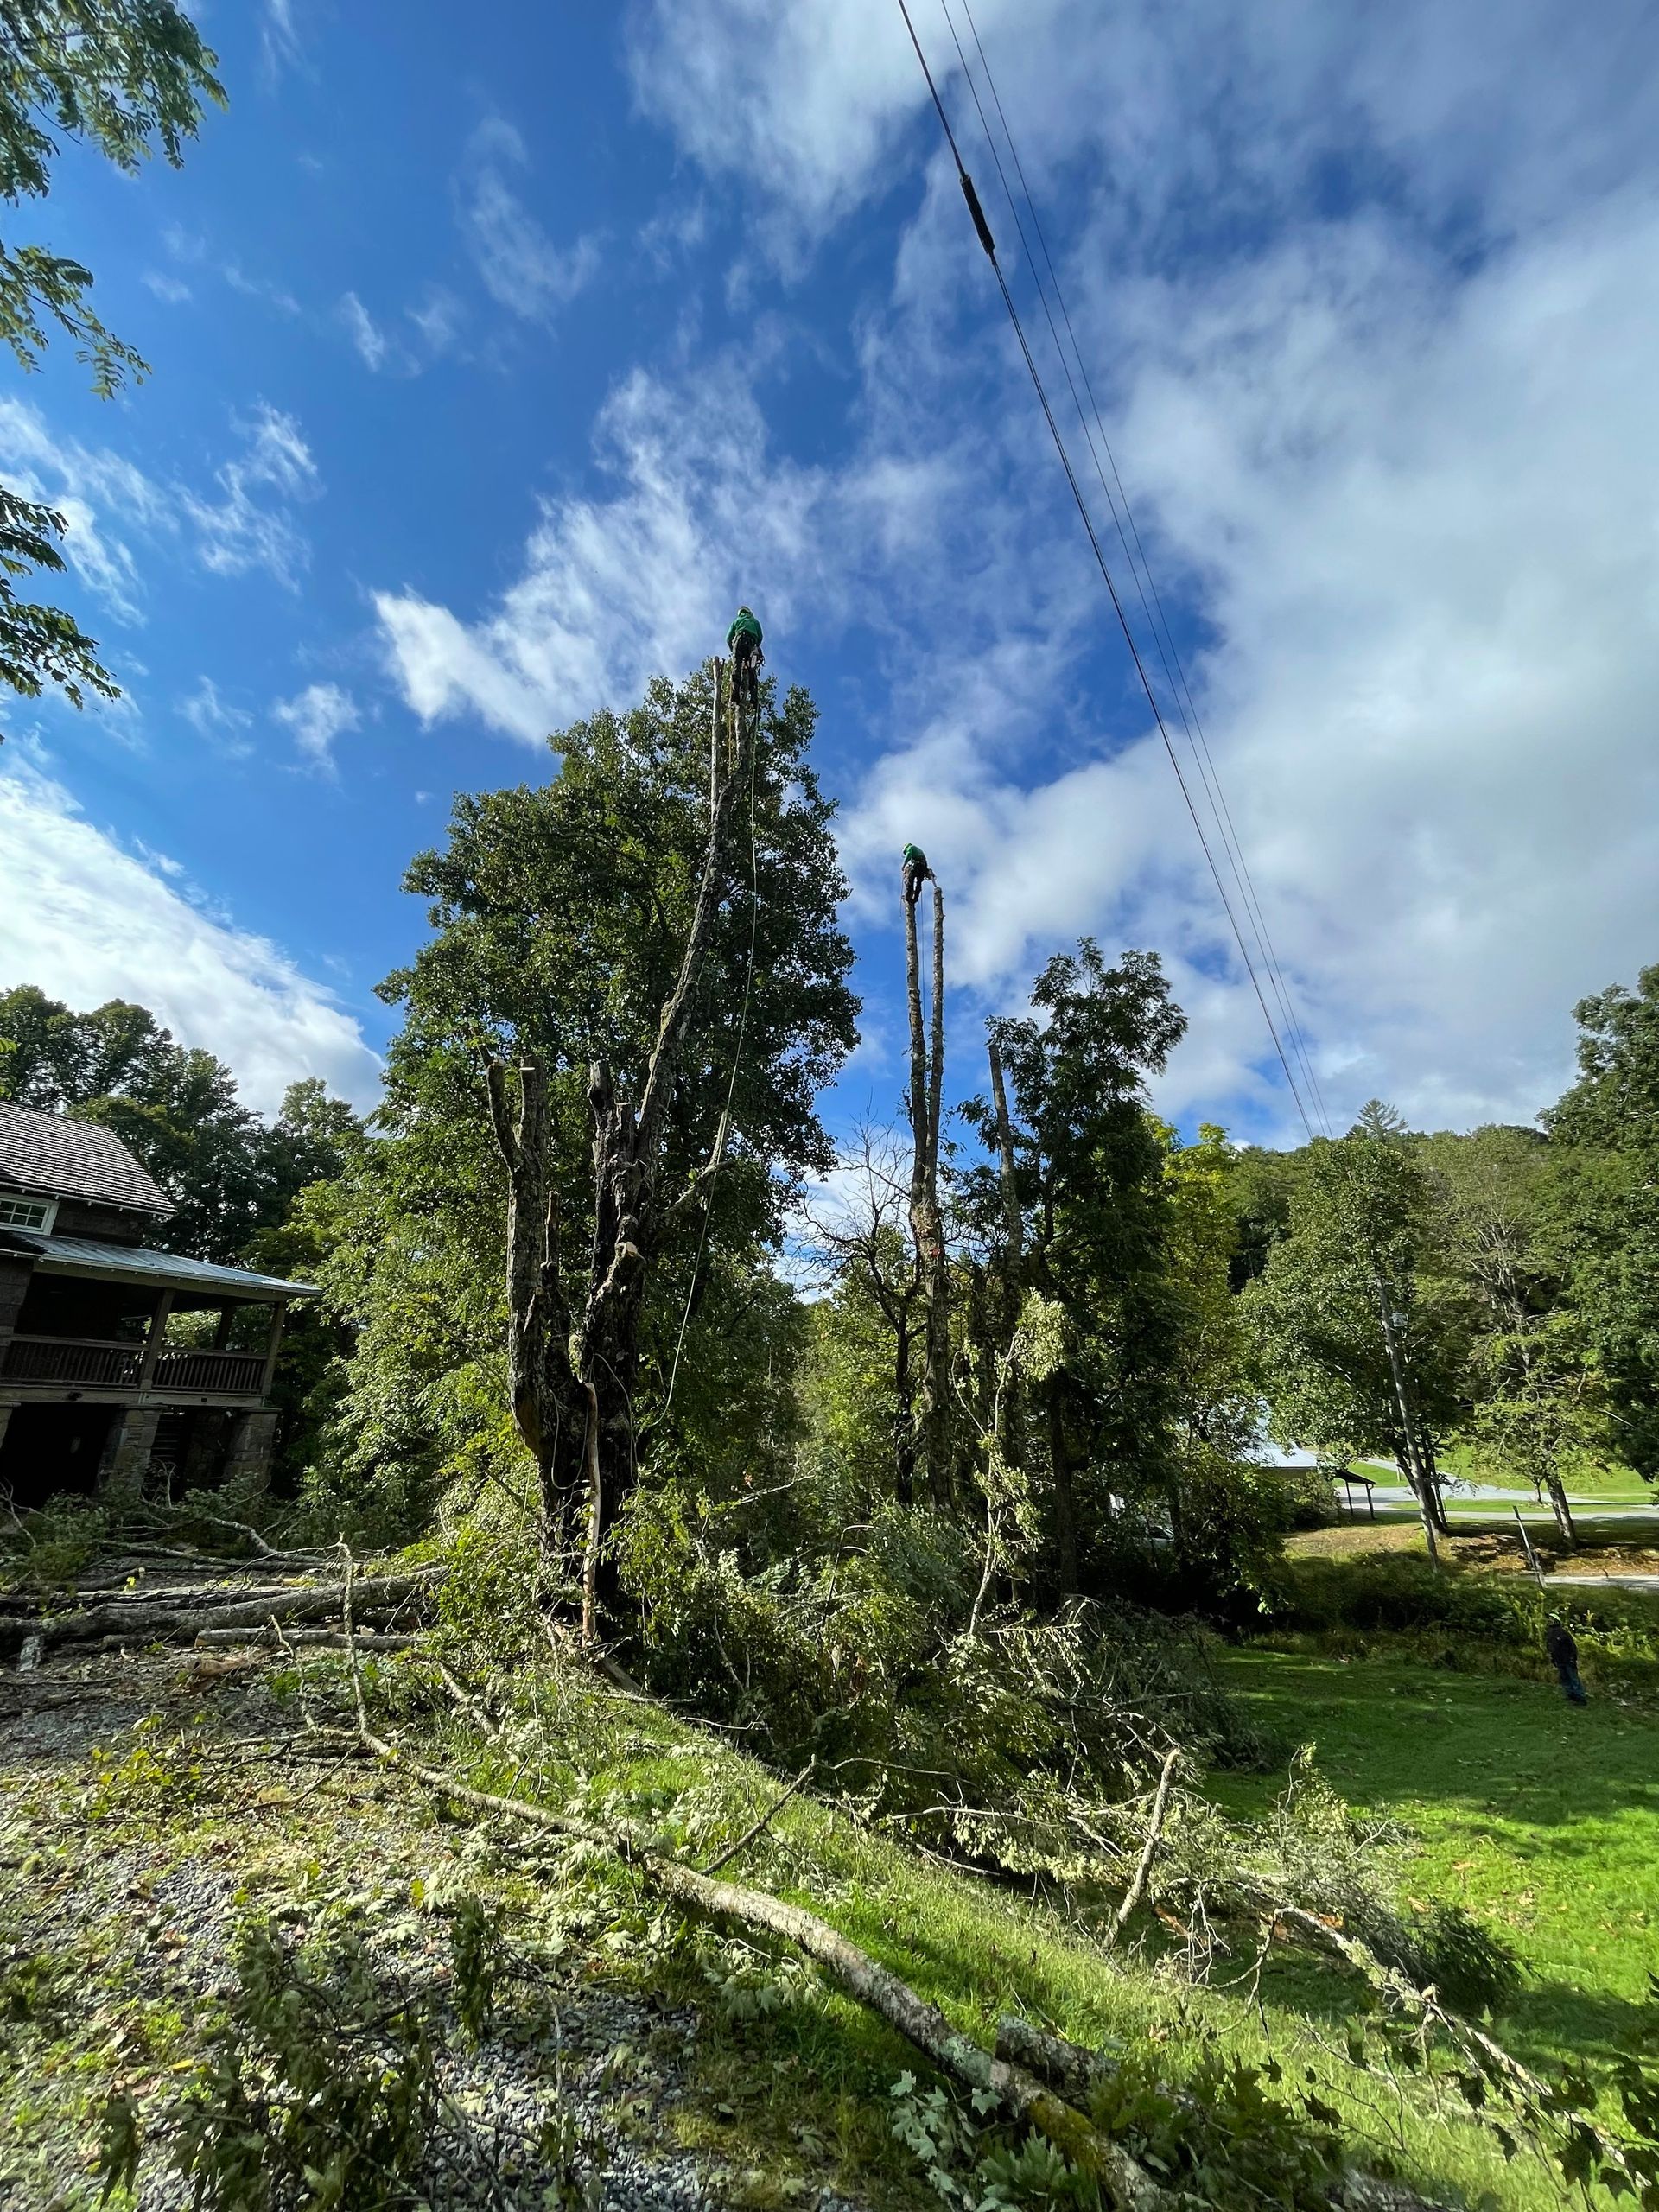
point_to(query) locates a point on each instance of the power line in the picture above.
(1135, 554)
(983, 231)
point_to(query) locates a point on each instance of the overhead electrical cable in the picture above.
(1425, 1481)
(983, 231)
(1134, 551)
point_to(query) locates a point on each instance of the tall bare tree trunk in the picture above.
(541, 1384)
(574, 1364)
(926, 1221)
(1013, 1236)
(1013, 1221)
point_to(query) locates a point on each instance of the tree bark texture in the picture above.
(926, 1220)
(1063, 1514)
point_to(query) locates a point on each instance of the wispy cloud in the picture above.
(521, 266)
(173, 289)
(251, 527)
(424, 333)
(317, 716)
(364, 332)
(261, 287)
(279, 37)
(106, 500)
(212, 716)
(619, 589)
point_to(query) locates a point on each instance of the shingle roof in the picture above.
(72, 1160)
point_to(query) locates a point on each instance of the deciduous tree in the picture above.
(128, 80)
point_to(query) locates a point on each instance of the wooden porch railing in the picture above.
(71, 1359)
(186, 1370)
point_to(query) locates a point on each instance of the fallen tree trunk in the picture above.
(1072, 2069)
(324, 1639)
(1125, 2186)
(133, 1617)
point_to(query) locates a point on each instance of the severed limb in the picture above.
(1125, 2186)
(1137, 1888)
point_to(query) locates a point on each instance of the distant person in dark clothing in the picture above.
(1564, 1658)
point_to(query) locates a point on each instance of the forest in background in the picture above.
(930, 1467)
(1048, 1371)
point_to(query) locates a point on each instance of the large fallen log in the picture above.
(314, 1639)
(1125, 2186)
(141, 1618)
(1072, 2069)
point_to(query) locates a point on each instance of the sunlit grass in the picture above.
(1539, 1817)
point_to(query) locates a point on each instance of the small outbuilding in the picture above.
(117, 1359)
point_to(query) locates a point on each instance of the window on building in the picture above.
(18, 1212)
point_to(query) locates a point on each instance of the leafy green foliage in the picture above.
(1224, 2138)
(42, 644)
(319, 2089)
(1360, 1232)
(559, 915)
(1608, 1123)
(1090, 1184)
(1034, 2177)
(125, 78)
(1398, 1593)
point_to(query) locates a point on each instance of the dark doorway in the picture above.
(47, 1449)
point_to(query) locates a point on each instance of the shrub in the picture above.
(1400, 1593)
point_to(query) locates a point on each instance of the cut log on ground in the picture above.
(1125, 2186)
(1072, 2069)
(139, 1618)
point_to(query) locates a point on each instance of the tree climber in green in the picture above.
(743, 643)
(916, 873)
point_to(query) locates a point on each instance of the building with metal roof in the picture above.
(120, 1364)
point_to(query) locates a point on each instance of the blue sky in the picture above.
(498, 352)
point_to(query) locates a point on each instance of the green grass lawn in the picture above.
(1540, 1818)
(1611, 1485)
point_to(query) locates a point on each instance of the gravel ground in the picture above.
(147, 1806)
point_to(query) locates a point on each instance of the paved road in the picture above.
(1615, 1581)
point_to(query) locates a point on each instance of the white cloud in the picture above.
(87, 921)
(170, 289)
(1193, 121)
(434, 329)
(643, 583)
(104, 498)
(364, 332)
(81, 486)
(438, 320)
(317, 716)
(251, 526)
(212, 716)
(261, 287)
(520, 266)
(279, 37)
